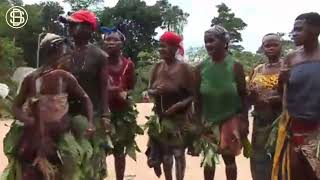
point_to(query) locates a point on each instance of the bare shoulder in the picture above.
(238, 67)
(64, 74)
(288, 60)
(97, 51)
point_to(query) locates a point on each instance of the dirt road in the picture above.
(139, 170)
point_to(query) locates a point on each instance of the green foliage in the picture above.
(82, 4)
(233, 24)
(26, 38)
(174, 19)
(50, 11)
(287, 45)
(146, 61)
(197, 54)
(248, 59)
(10, 58)
(137, 21)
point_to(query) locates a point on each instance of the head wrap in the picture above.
(84, 16)
(271, 36)
(107, 31)
(221, 32)
(173, 39)
(49, 39)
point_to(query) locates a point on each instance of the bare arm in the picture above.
(104, 84)
(240, 79)
(131, 76)
(197, 96)
(153, 74)
(20, 100)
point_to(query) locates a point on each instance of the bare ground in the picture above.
(139, 170)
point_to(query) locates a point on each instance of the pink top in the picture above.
(118, 80)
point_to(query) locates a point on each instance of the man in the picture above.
(86, 67)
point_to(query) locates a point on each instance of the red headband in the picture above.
(173, 39)
(86, 16)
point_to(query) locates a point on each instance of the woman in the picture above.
(221, 100)
(119, 76)
(299, 154)
(263, 85)
(171, 87)
(42, 106)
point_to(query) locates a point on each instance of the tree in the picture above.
(82, 4)
(146, 61)
(248, 59)
(197, 54)
(174, 19)
(233, 24)
(16, 2)
(287, 45)
(49, 13)
(138, 23)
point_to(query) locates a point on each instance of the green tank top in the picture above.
(219, 94)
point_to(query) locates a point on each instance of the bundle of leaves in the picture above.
(272, 139)
(125, 129)
(76, 151)
(10, 147)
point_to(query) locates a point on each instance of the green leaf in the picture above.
(12, 138)
(131, 152)
(139, 130)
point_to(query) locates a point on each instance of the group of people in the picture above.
(76, 108)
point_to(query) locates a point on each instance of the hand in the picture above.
(152, 92)
(284, 75)
(124, 95)
(244, 125)
(106, 123)
(174, 108)
(28, 120)
(160, 90)
(90, 130)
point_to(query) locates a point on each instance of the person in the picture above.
(263, 95)
(296, 155)
(171, 87)
(86, 65)
(34, 148)
(221, 101)
(119, 76)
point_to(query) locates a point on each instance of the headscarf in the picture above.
(49, 39)
(174, 39)
(107, 31)
(221, 32)
(84, 16)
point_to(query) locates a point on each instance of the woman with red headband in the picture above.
(221, 102)
(171, 87)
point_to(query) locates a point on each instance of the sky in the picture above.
(262, 17)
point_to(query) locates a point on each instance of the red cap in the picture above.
(84, 16)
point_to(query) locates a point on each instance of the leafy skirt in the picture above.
(75, 157)
(124, 131)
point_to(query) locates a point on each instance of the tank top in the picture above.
(303, 100)
(219, 94)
